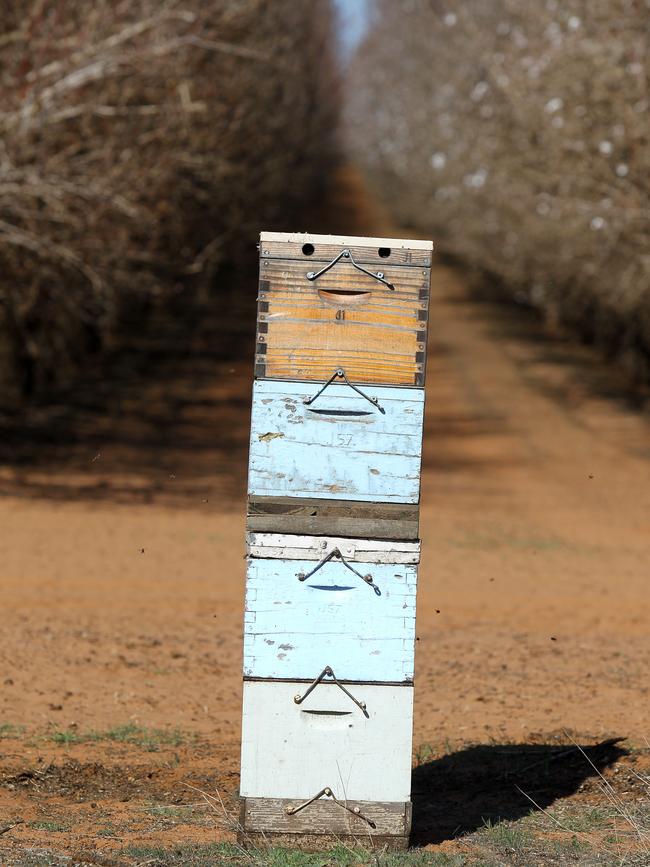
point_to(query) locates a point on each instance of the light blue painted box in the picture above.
(338, 446)
(343, 603)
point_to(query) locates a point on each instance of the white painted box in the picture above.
(313, 602)
(294, 750)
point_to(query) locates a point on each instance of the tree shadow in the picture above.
(164, 418)
(585, 367)
(459, 793)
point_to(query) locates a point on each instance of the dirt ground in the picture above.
(121, 555)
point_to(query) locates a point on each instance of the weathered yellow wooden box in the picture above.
(329, 302)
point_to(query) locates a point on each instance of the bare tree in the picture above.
(517, 134)
(141, 141)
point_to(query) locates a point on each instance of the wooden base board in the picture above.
(323, 517)
(323, 824)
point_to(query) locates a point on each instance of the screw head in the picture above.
(297, 699)
(356, 810)
(346, 254)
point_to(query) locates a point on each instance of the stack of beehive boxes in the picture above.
(333, 549)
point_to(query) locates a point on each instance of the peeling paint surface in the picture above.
(270, 435)
(339, 446)
(332, 618)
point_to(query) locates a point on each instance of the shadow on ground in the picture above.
(580, 370)
(166, 418)
(459, 793)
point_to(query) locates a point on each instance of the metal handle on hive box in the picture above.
(328, 793)
(339, 373)
(327, 672)
(336, 552)
(346, 254)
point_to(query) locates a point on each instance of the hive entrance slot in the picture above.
(344, 297)
(350, 413)
(327, 712)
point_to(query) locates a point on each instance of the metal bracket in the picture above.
(346, 254)
(327, 672)
(328, 793)
(339, 373)
(336, 552)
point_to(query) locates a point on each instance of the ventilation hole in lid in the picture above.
(384, 252)
(308, 249)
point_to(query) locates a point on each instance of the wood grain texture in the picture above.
(326, 817)
(364, 254)
(294, 629)
(296, 547)
(340, 447)
(307, 329)
(289, 245)
(294, 750)
(332, 517)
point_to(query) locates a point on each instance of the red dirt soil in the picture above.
(122, 545)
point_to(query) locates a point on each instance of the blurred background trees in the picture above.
(141, 145)
(517, 135)
(144, 144)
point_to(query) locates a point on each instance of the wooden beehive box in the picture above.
(332, 549)
(294, 749)
(307, 455)
(328, 302)
(314, 601)
(329, 642)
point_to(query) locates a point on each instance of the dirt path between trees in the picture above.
(121, 554)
